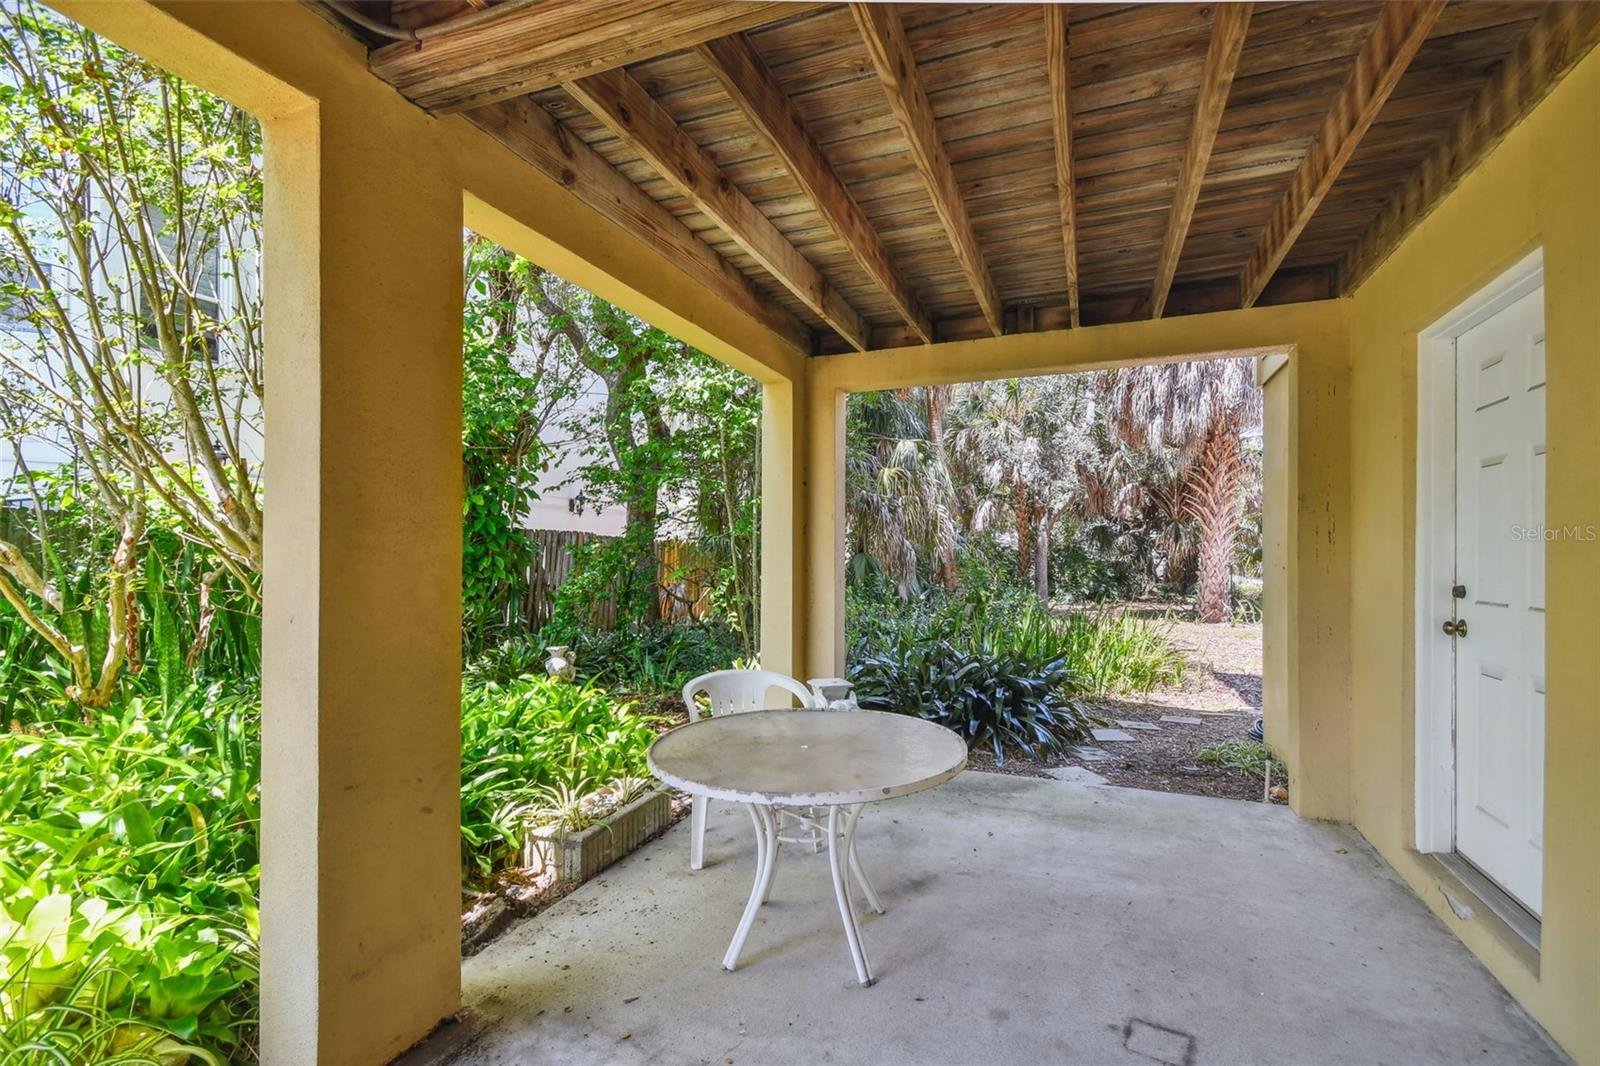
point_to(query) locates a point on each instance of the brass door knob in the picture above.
(1455, 628)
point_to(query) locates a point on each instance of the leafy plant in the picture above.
(521, 740)
(1248, 757)
(999, 699)
(128, 869)
(655, 658)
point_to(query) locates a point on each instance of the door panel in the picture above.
(1499, 663)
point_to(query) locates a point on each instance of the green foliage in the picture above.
(1248, 757)
(1104, 652)
(1001, 699)
(128, 871)
(997, 666)
(510, 386)
(655, 658)
(198, 626)
(521, 739)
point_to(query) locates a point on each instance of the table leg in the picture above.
(766, 823)
(841, 843)
(855, 864)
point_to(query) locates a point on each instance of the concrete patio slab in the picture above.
(1104, 735)
(1029, 921)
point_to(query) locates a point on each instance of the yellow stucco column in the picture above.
(1306, 587)
(825, 520)
(784, 608)
(361, 673)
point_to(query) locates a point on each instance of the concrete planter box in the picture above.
(579, 856)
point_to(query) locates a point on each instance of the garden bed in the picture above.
(1221, 687)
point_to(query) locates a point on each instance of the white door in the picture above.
(1499, 658)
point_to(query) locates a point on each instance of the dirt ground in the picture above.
(1221, 687)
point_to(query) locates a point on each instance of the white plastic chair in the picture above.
(735, 692)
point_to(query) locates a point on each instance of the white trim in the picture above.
(1434, 704)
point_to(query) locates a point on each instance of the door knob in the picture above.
(1455, 628)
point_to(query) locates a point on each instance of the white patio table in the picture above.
(796, 759)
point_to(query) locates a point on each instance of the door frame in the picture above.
(1434, 704)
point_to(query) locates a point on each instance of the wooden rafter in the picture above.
(624, 106)
(747, 81)
(539, 140)
(891, 55)
(532, 46)
(1551, 48)
(1056, 48)
(1229, 23)
(1402, 27)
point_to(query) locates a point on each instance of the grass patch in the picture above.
(1247, 757)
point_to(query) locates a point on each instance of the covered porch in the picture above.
(841, 198)
(1028, 921)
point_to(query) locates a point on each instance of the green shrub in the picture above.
(654, 658)
(1104, 652)
(503, 663)
(1248, 757)
(129, 871)
(521, 740)
(999, 699)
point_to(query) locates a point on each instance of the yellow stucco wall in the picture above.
(1541, 187)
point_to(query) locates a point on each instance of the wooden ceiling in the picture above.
(872, 175)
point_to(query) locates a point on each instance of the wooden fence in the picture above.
(684, 572)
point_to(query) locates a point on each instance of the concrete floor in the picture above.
(1029, 921)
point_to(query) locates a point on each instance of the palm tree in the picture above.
(897, 488)
(1200, 410)
(1020, 443)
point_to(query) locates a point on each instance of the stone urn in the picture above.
(562, 663)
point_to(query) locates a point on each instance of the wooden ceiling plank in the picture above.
(1229, 24)
(1401, 29)
(535, 137)
(634, 116)
(1057, 48)
(750, 84)
(534, 46)
(896, 66)
(1550, 48)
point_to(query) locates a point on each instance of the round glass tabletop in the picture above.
(807, 758)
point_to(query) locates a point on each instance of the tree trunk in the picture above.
(936, 398)
(1022, 509)
(1041, 558)
(1215, 506)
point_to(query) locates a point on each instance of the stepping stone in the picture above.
(1077, 775)
(1104, 735)
(1126, 724)
(1180, 719)
(1087, 754)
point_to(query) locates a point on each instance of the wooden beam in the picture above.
(1056, 48)
(1551, 48)
(1229, 23)
(529, 46)
(531, 134)
(1402, 27)
(1201, 297)
(891, 54)
(744, 76)
(633, 115)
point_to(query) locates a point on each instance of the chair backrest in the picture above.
(737, 691)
